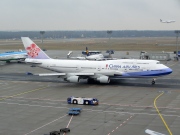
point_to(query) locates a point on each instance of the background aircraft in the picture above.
(92, 55)
(102, 71)
(13, 55)
(168, 21)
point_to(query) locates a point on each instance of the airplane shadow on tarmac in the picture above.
(133, 83)
(160, 83)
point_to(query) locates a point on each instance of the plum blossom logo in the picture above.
(33, 50)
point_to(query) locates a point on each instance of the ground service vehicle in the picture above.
(73, 112)
(82, 101)
(54, 133)
(64, 130)
(75, 109)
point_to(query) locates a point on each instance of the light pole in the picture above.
(42, 33)
(109, 32)
(177, 35)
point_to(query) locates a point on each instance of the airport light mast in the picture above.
(177, 35)
(42, 33)
(109, 32)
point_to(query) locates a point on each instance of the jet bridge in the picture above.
(161, 56)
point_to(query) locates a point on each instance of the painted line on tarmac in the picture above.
(173, 64)
(33, 98)
(138, 109)
(32, 105)
(123, 123)
(45, 125)
(22, 93)
(171, 111)
(161, 115)
(131, 105)
(10, 87)
(131, 113)
(119, 108)
(68, 123)
(97, 111)
(51, 103)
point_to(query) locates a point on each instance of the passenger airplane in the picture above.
(91, 55)
(102, 71)
(168, 21)
(13, 55)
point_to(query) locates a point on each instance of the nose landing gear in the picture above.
(153, 81)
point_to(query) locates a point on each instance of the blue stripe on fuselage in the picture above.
(12, 53)
(150, 73)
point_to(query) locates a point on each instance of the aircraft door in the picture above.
(99, 68)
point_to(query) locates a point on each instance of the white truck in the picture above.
(82, 100)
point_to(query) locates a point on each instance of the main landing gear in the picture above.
(153, 81)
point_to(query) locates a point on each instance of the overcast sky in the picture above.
(89, 14)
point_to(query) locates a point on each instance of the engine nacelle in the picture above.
(103, 79)
(73, 79)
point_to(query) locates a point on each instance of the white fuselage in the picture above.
(121, 67)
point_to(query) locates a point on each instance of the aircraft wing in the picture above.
(78, 74)
(51, 74)
(150, 132)
(63, 74)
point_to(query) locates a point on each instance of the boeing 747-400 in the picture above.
(102, 71)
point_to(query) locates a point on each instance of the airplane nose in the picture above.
(169, 71)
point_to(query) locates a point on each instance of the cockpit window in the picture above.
(158, 63)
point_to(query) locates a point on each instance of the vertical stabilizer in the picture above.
(33, 51)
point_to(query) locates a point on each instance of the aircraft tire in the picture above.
(153, 82)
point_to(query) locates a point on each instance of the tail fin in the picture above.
(87, 52)
(160, 20)
(33, 51)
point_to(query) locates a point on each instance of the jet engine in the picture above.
(73, 79)
(103, 79)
